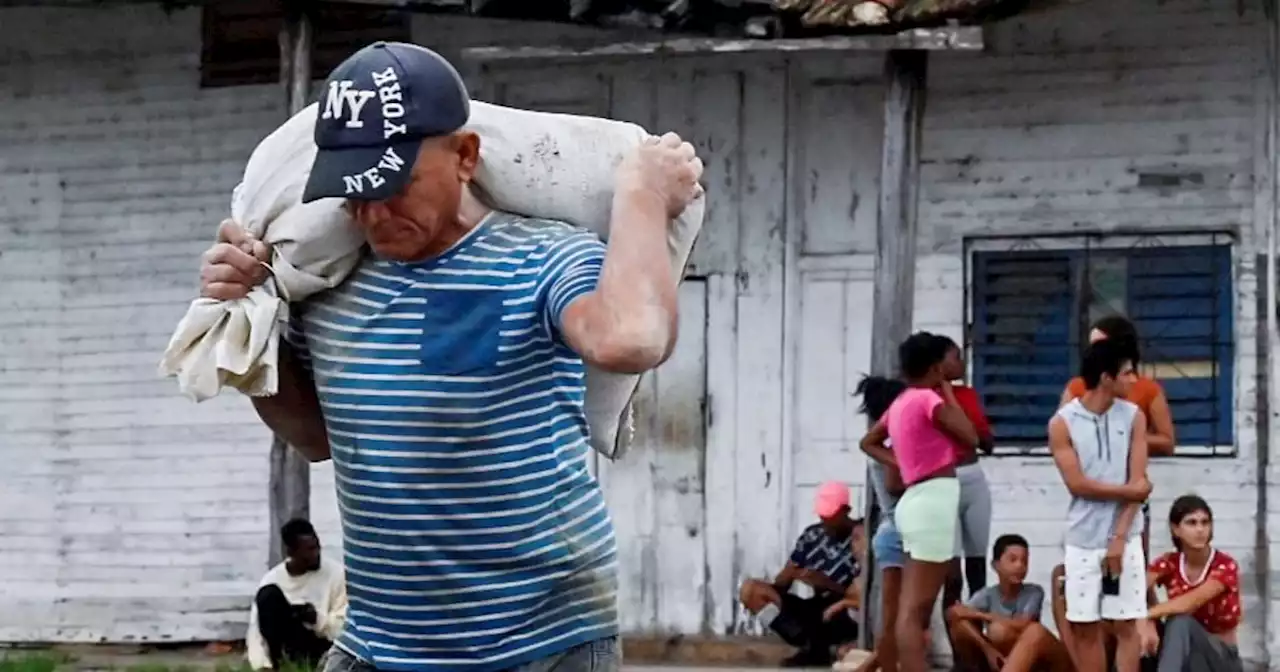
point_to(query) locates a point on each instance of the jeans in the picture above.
(1186, 646)
(602, 655)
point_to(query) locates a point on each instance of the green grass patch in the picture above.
(42, 661)
(52, 661)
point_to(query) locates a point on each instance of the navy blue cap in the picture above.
(377, 108)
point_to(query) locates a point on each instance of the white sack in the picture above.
(549, 166)
(314, 246)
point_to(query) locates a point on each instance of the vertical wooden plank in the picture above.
(628, 482)
(714, 129)
(859, 293)
(678, 482)
(290, 480)
(716, 133)
(679, 438)
(759, 518)
(721, 491)
(894, 294)
(837, 132)
(797, 89)
(1266, 175)
(629, 490)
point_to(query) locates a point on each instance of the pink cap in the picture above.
(832, 496)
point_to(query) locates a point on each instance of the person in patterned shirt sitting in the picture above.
(826, 558)
(1203, 611)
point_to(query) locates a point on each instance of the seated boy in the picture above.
(1009, 612)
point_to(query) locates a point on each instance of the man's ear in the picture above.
(467, 145)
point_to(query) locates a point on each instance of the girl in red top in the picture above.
(1203, 611)
(975, 493)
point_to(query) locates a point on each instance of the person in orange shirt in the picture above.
(1147, 394)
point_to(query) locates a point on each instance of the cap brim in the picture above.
(827, 510)
(362, 173)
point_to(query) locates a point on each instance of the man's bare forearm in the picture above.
(293, 413)
(1124, 521)
(1088, 488)
(633, 321)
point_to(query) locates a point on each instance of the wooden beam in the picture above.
(894, 294)
(951, 38)
(290, 482)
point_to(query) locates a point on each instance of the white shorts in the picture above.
(1083, 585)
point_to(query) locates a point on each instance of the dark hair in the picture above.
(877, 394)
(947, 342)
(1183, 507)
(859, 522)
(1121, 330)
(1104, 357)
(294, 530)
(1004, 541)
(920, 352)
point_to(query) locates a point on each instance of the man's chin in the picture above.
(390, 251)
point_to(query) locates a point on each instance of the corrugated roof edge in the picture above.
(950, 38)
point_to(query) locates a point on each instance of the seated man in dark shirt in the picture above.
(826, 558)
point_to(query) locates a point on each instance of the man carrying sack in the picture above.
(444, 377)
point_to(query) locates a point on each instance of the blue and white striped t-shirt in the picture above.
(474, 536)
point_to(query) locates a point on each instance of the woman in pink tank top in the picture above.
(921, 424)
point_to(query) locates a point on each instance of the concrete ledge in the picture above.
(738, 651)
(678, 650)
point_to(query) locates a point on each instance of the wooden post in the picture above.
(893, 300)
(290, 484)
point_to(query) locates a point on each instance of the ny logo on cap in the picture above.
(344, 99)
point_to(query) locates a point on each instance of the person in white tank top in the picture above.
(1099, 445)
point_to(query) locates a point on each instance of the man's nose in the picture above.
(369, 213)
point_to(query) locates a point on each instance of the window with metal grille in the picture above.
(1031, 310)
(241, 41)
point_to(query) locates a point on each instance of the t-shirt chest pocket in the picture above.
(461, 331)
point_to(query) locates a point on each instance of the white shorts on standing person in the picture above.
(445, 378)
(1098, 443)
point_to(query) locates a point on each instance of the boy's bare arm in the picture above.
(965, 612)
(1137, 477)
(1079, 485)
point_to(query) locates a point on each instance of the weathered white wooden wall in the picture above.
(133, 514)
(1048, 133)
(126, 511)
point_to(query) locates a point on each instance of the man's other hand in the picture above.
(234, 265)
(665, 169)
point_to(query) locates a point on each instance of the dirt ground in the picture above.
(665, 656)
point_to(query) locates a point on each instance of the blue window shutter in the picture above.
(1022, 337)
(1180, 301)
